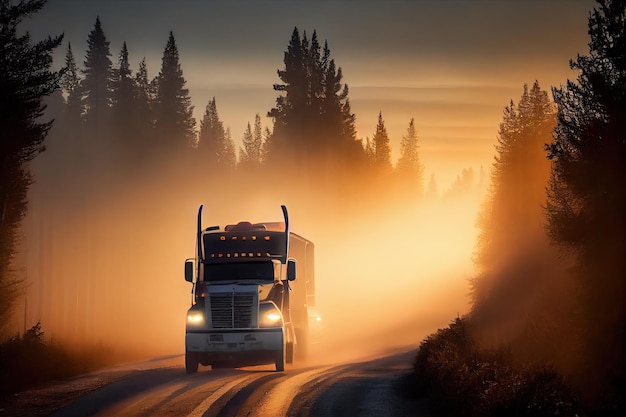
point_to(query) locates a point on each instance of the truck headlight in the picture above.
(269, 315)
(195, 316)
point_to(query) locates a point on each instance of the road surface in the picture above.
(160, 387)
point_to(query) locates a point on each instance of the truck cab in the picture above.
(247, 306)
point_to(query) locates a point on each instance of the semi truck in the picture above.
(252, 296)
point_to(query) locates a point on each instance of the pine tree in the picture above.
(516, 300)
(71, 85)
(228, 155)
(512, 216)
(211, 138)
(245, 157)
(26, 79)
(313, 119)
(251, 153)
(175, 125)
(587, 203)
(146, 95)
(409, 168)
(257, 136)
(289, 113)
(382, 148)
(96, 86)
(266, 145)
(124, 102)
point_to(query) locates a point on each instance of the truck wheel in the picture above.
(280, 360)
(191, 364)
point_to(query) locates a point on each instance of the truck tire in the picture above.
(280, 360)
(191, 364)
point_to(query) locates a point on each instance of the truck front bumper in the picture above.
(245, 346)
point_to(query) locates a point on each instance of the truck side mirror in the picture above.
(189, 267)
(291, 269)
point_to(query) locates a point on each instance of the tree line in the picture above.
(551, 272)
(132, 116)
(550, 253)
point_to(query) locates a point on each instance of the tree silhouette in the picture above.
(587, 204)
(228, 155)
(124, 104)
(409, 167)
(313, 119)
(511, 220)
(251, 153)
(212, 136)
(382, 148)
(71, 85)
(145, 97)
(96, 86)
(174, 122)
(26, 79)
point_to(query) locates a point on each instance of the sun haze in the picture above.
(383, 267)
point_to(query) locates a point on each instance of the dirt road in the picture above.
(160, 387)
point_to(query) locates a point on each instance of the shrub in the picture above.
(462, 379)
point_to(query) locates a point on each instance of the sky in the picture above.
(452, 65)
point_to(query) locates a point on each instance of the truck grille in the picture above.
(232, 311)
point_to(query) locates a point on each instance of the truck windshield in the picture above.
(239, 271)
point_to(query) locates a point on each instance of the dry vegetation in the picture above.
(462, 379)
(28, 361)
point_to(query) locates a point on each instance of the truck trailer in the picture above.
(247, 307)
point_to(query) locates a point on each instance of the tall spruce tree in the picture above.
(71, 85)
(312, 120)
(382, 148)
(251, 153)
(587, 197)
(245, 158)
(511, 221)
(124, 97)
(409, 167)
(146, 95)
(518, 294)
(212, 136)
(228, 155)
(174, 122)
(96, 85)
(26, 79)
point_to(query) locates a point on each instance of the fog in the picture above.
(103, 256)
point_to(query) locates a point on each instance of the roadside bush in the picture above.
(462, 379)
(27, 361)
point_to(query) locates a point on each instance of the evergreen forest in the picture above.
(112, 165)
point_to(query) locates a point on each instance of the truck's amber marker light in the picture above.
(267, 238)
(253, 237)
(222, 237)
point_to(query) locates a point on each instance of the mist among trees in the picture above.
(123, 144)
